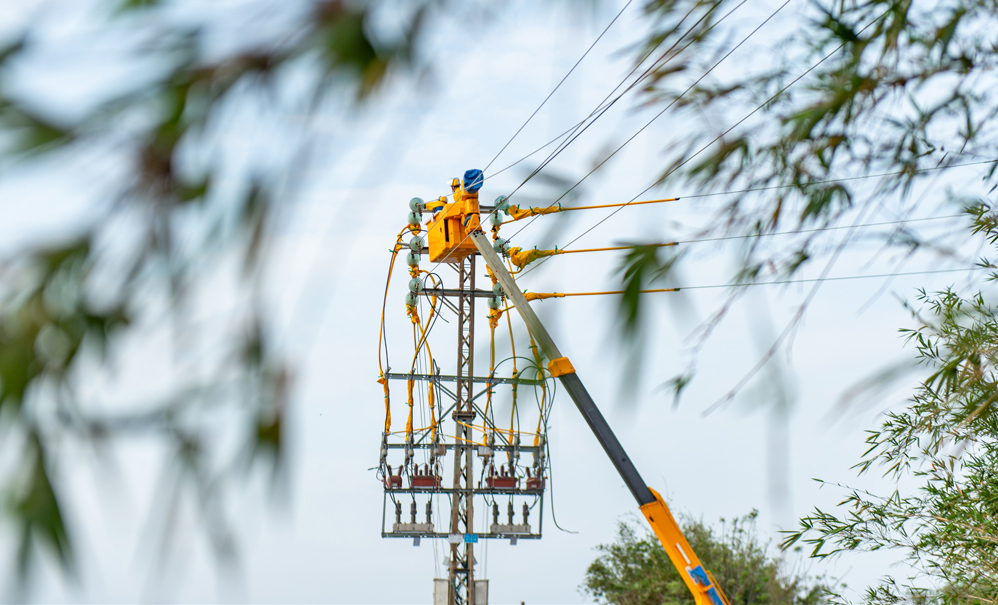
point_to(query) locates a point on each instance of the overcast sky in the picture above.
(320, 541)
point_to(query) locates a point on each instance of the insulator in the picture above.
(411, 299)
(500, 246)
(412, 512)
(495, 218)
(509, 512)
(414, 218)
(429, 512)
(415, 285)
(412, 259)
(495, 513)
(502, 203)
(398, 511)
(417, 204)
(495, 302)
(416, 244)
(526, 513)
(497, 290)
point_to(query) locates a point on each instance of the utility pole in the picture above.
(461, 575)
(411, 467)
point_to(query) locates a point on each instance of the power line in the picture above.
(852, 178)
(880, 224)
(659, 114)
(546, 296)
(607, 28)
(849, 178)
(753, 235)
(715, 139)
(603, 107)
(824, 279)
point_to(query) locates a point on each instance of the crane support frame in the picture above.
(698, 580)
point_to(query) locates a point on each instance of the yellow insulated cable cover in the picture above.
(522, 258)
(543, 295)
(519, 213)
(516, 213)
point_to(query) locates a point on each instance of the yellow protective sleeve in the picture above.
(521, 258)
(542, 295)
(517, 213)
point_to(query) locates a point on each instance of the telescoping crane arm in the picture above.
(700, 581)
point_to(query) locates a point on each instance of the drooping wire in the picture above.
(717, 138)
(557, 86)
(640, 78)
(662, 112)
(603, 104)
(848, 178)
(826, 279)
(562, 146)
(658, 63)
(772, 283)
(817, 229)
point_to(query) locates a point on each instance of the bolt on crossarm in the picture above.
(699, 581)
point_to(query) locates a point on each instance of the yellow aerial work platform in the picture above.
(449, 228)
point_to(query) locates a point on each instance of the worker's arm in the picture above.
(698, 580)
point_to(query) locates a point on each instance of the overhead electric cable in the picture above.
(546, 295)
(816, 229)
(522, 258)
(848, 178)
(656, 63)
(564, 145)
(667, 107)
(824, 279)
(714, 140)
(665, 56)
(606, 29)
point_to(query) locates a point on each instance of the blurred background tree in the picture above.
(130, 103)
(634, 569)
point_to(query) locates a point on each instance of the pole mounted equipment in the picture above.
(454, 237)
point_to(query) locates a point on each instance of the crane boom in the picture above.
(699, 581)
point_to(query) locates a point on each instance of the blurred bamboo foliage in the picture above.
(68, 303)
(849, 112)
(898, 91)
